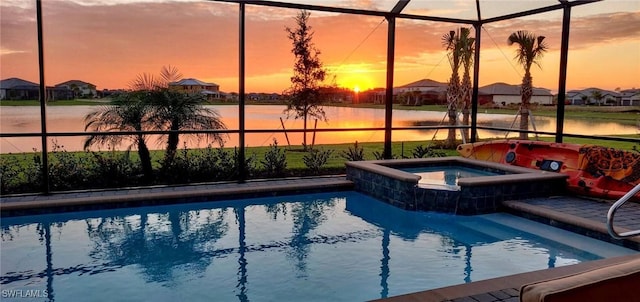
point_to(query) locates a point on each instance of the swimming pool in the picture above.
(445, 176)
(337, 246)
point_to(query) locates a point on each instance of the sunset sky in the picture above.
(109, 42)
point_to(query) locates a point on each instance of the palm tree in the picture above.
(530, 51)
(175, 111)
(126, 113)
(153, 106)
(451, 41)
(597, 96)
(467, 50)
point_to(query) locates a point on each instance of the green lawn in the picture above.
(294, 154)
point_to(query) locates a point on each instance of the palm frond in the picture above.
(530, 48)
(169, 74)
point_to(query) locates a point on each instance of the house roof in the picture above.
(14, 83)
(629, 92)
(74, 82)
(424, 83)
(191, 82)
(589, 91)
(508, 89)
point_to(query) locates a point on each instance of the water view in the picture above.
(24, 119)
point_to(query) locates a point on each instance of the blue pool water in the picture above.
(445, 175)
(338, 246)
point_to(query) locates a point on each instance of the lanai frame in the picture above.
(390, 16)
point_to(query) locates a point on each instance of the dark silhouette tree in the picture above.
(153, 105)
(304, 97)
(127, 112)
(176, 110)
(530, 51)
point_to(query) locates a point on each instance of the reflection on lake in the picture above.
(24, 119)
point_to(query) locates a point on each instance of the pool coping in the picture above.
(521, 174)
(505, 288)
(576, 224)
(135, 197)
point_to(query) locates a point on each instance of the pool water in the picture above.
(337, 246)
(445, 175)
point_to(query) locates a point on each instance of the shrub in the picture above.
(379, 155)
(9, 173)
(422, 152)
(275, 160)
(68, 171)
(315, 159)
(114, 170)
(207, 164)
(204, 164)
(250, 162)
(21, 175)
(353, 154)
(178, 169)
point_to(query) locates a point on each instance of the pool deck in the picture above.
(580, 215)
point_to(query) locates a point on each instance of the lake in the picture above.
(26, 119)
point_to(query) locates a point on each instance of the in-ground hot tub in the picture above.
(451, 184)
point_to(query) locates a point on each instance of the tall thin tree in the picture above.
(530, 50)
(305, 99)
(451, 42)
(467, 50)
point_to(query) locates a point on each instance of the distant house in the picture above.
(18, 89)
(586, 97)
(79, 88)
(59, 93)
(422, 92)
(190, 85)
(630, 97)
(504, 94)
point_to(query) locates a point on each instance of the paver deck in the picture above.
(582, 215)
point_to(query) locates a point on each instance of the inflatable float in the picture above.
(594, 171)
